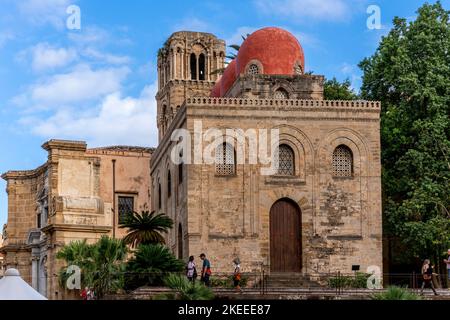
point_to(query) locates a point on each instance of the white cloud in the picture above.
(90, 35)
(82, 83)
(6, 36)
(192, 24)
(117, 120)
(321, 10)
(44, 57)
(106, 57)
(40, 12)
(353, 73)
(236, 37)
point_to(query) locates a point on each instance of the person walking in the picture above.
(191, 271)
(206, 270)
(237, 274)
(427, 274)
(447, 262)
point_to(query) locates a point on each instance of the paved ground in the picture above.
(292, 294)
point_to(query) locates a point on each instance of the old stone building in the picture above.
(318, 212)
(77, 194)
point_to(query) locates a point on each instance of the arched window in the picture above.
(286, 160)
(201, 66)
(298, 69)
(169, 184)
(342, 162)
(193, 64)
(253, 69)
(281, 94)
(159, 195)
(164, 118)
(225, 160)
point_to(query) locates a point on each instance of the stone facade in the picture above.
(71, 197)
(231, 215)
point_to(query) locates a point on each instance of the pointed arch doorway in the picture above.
(285, 237)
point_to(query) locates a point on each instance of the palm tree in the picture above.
(230, 56)
(102, 264)
(150, 265)
(145, 228)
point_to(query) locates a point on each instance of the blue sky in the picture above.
(98, 83)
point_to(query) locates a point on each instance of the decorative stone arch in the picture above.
(283, 85)
(360, 191)
(352, 140)
(306, 210)
(255, 62)
(236, 144)
(302, 147)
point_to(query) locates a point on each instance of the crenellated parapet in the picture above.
(294, 103)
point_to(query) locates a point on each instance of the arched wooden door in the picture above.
(285, 237)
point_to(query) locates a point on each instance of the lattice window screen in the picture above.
(298, 70)
(280, 94)
(342, 162)
(285, 158)
(126, 206)
(225, 160)
(253, 69)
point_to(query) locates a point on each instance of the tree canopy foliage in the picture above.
(409, 74)
(335, 90)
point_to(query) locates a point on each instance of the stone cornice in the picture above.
(24, 174)
(190, 83)
(76, 228)
(65, 145)
(121, 150)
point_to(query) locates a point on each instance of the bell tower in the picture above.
(186, 65)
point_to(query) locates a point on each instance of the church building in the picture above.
(319, 212)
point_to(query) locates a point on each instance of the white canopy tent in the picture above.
(13, 287)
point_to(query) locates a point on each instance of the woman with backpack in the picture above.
(191, 271)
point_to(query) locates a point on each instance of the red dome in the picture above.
(276, 49)
(228, 78)
(215, 91)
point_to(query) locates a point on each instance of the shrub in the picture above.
(396, 293)
(151, 264)
(359, 280)
(183, 289)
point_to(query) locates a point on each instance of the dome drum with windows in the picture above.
(268, 51)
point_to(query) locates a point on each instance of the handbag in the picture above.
(195, 275)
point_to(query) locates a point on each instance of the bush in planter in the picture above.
(359, 280)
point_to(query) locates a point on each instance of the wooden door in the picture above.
(285, 237)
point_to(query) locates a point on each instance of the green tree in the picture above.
(145, 228)
(335, 90)
(102, 264)
(151, 263)
(409, 74)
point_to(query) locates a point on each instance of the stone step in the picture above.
(289, 280)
